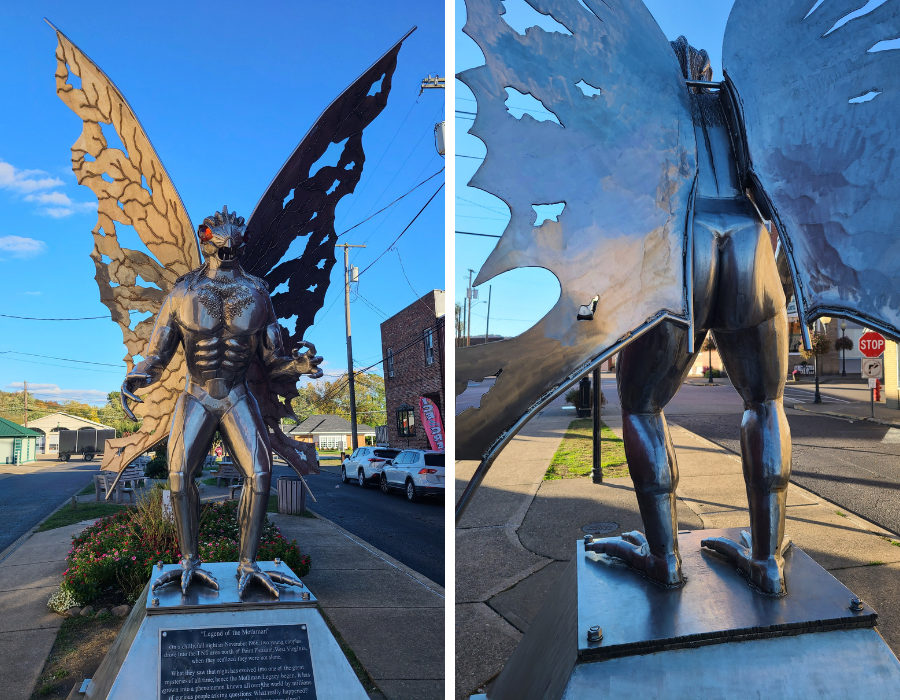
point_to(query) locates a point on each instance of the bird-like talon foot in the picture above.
(765, 574)
(267, 579)
(190, 573)
(633, 549)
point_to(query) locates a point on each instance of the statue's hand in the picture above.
(307, 362)
(133, 381)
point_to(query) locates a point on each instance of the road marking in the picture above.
(801, 394)
(892, 436)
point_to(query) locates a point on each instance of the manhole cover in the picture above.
(599, 528)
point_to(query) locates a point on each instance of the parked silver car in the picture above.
(417, 472)
(365, 464)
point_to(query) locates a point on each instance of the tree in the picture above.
(114, 416)
(323, 397)
(708, 346)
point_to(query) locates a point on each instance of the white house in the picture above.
(50, 425)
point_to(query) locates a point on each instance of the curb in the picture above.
(846, 416)
(387, 558)
(19, 542)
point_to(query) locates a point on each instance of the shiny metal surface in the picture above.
(827, 168)
(172, 600)
(137, 674)
(824, 666)
(717, 605)
(223, 317)
(623, 162)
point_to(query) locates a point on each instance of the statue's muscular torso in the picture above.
(222, 321)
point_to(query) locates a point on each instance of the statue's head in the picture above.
(222, 237)
(695, 64)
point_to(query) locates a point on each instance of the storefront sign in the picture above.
(431, 419)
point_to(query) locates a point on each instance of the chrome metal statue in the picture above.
(223, 317)
(669, 183)
(214, 324)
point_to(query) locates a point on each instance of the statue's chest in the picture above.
(225, 305)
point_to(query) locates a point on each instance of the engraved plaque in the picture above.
(229, 663)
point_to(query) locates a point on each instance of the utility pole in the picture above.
(26, 404)
(487, 323)
(347, 279)
(469, 297)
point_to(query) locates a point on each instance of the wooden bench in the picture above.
(104, 481)
(134, 473)
(230, 474)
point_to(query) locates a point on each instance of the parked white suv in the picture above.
(417, 472)
(365, 464)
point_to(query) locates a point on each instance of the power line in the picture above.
(392, 203)
(471, 233)
(82, 318)
(47, 364)
(51, 357)
(405, 229)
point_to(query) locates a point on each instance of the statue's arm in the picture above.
(282, 366)
(161, 347)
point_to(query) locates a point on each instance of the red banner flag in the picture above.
(431, 419)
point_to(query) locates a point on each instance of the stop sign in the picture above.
(871, 344)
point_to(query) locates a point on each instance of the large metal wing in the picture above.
(300, 202)
(623, 161)
(820, 108)
(132, 189)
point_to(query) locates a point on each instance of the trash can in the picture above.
(291, 496)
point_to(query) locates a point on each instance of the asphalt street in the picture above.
(30, 493)
(853, 464)
(412, 533)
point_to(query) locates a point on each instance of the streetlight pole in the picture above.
(818, 397)
(469, 297)
(487, 323)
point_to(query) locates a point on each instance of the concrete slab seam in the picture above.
(387, 559)
(806, 493)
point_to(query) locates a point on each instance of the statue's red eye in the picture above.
(206, 234)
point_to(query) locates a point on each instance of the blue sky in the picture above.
(225, 95)
(520, 298)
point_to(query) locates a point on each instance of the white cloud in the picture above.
(32, 294)
(26, 180)
(52, 392)
(20, 247)
(35, 185)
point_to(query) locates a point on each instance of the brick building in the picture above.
(412, 343)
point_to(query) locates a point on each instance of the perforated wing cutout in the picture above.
(620, 154)
(820, 112)
(132, 189)
(300, 202)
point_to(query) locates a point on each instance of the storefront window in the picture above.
(796, 340)
(406, 426)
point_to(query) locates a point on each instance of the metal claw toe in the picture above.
(280, 577)
(261, 577)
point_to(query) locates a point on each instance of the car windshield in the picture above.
(387, 454)
(434, 460)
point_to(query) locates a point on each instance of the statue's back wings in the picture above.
(300, 203)
(623, 160)
(823, 147)
(132, 189)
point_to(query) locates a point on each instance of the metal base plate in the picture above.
(226, 598)
(716, 605)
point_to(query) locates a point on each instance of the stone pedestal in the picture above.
(715, 637)
(211, 644)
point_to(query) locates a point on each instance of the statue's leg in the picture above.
(245, 432)
(192, 432)
(751, 332)
(650, 371)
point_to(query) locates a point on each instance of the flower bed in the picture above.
(121, 549)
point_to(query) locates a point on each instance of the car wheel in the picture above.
(344, 479)
(384, 485)
(362, 479)
(411, 494)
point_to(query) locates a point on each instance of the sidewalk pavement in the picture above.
(390, 616)
(513, 542)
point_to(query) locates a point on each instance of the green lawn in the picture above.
(574, 457)
(87, 489)
(84, 511)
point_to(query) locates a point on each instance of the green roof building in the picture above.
(18, 445)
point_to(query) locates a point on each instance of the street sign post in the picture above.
(873, 369)
(871, 344)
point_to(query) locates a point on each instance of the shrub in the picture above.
(121, 550)
(62, 600)
(715, 373)
(573, 396)
(158, 467)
